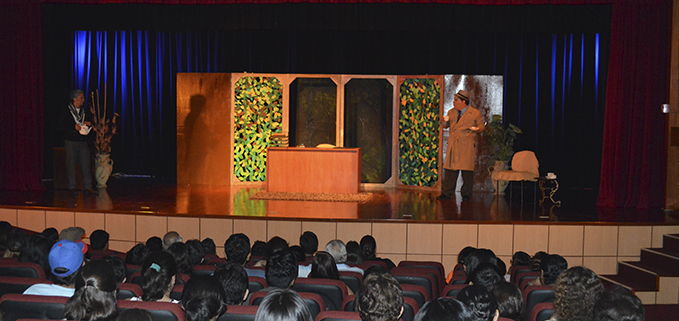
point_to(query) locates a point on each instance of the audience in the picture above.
(119, 267)
(37, 250)
(195, 251)
(99, 240)
(551, 266)
(486, 274)
(380, 298)
(259, 249)
(323, 267)
(281, 270)
(445, 309)
(520, 258)
(209, 247)
(5, 228)
(354, 253)
(536, 259)
(95, 294)
(618, 304)
(52, 234)
(237, 251)
(338, 250)
(283, 305)
(154, 244)
(16, 240)
(510, 301)
(234, 280)
(461, 260)
(274, 245)
(309, 243)
(171, 238)
(158, 274)
(369, 248)
(73, 233)
(180, 252)
(475, 258)
(137, 254)
(203, 299)
(65, 260)
(298, 252)
(481, 301)
(575, 293)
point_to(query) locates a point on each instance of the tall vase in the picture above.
(103, 168)
(497, 167)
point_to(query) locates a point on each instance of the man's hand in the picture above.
(77, 127)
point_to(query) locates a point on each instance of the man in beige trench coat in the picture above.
(464, 122)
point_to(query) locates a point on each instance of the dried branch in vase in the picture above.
(104, 128)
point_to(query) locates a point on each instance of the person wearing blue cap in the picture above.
(65, 259)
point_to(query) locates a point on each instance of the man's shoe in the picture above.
(442, 197)
(465, 198)
(91, 191)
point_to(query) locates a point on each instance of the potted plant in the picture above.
(500, 142)
(104, 129)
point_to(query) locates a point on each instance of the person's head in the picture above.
(281, 269)
(461, 100)
(234, 279)
(137, 254)
(354, 253)
(464, 253)
(259, 248)
(338, 250)
(209, 246)
(16, 241)
(196, 252)
(283, 305)
(477, 257)
(509, 300)
(135, 315)
(375, 269)
(551, 267)
(309, 242)
(575, 293)
(158, 274)
(368, 247)
(520, 258)
(445, 309)
(37, 250)
(77, 98)
(536, 259)
(485, 274)
(51, 233)
(73, 233)
(203, 299)
(5, 228)
(380, 298)
(324, 267)
(298, 252)
(99, 240)
(118, 265)
(618, 303)
(480, 300)
(65, 259)
(170, 238)
(274, 245)
(180, 252)
(155, 244)
(237, 248)
(95, 293)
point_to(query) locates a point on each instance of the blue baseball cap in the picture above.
(67, 256)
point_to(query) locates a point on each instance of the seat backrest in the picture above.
(416, 276)
(522, 277)
(177, 291)
(515, 269)
(239, 313)
(436, 266)
(128, 290)
(542, 311)
(534, 295)
(353, 280)
(337, 316)
(410, 309)
(131, 270)
(525, 161)
(162, 311)
(451, 290)
(333, 292)
(417, 292)
(348, 303)
(19, 306)
(11, 284)
(204, 269)
(256, 283)
(21, 269)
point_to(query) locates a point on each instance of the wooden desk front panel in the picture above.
(314, 170)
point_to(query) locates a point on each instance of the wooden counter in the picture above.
(313, 170)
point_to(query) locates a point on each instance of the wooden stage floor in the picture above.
(162, 196)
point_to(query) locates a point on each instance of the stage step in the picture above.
(654, 276)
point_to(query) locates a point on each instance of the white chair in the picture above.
(524, 168)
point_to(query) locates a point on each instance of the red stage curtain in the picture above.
(633, 155)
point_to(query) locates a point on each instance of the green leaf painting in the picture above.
(418, 126)
(258, 106)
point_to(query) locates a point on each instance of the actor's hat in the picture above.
(65, 257)
(463, 94)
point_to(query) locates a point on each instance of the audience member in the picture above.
(551, 266)
(309, 243)
(461, 260)
(259, 248)
(369, 248)
(619, 304)
(536, 259)
(575, 293)
(481, 301)
(375, 269)
(520, 258)
(477, 257)
(180, 252)
(203, 299)
(195, 251)
(323, 267)
(154, 244)
(281, 270)
(274, 245)
(5, 228)
(73, 233)
(65, 259)
(52, 234)
(485, 274)
(119, 267)
(95, 294)
(338, 250)
(171, 238)
(158, 274)
(298, 252)
(237, 251)
(283, 305)
(135, 315)
(137, 254)
(234, 280)
(445, 309)
(99, 240)
(15, 243)
(209, 247)
(37, 251)
(354, 253)
(510, 301)
(380, 298)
